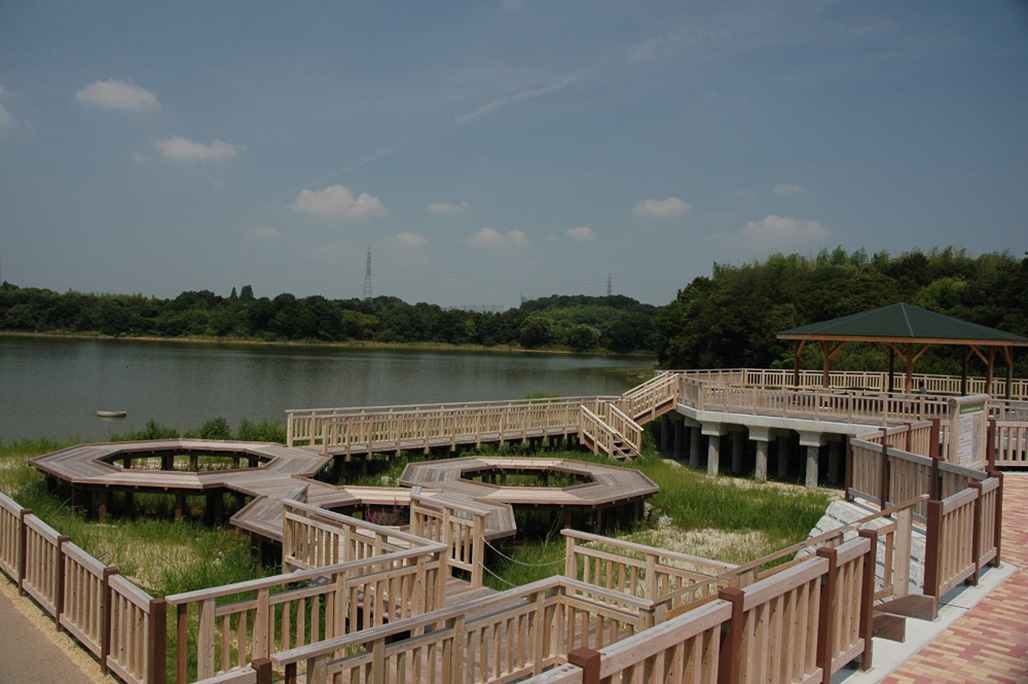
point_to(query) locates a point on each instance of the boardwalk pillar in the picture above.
(762, 437)
(713, 431)
(694, 446)
(834, 461)
(784, 454)
(678, 427)
(738, 449)
(813, 441)
(665, 432)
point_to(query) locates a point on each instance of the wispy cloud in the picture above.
(581, 233)
(448, 208)
(788, 190)
(119, 95)
(184, 150)
(409, 240)
(653, 208)
(337, 203)
(774, 228)
(488, 237)
(508, 100)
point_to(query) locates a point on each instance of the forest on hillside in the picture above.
(730, 319)
(578, 323)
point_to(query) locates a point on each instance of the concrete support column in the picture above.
(834, 461)
(679, 438)
(762, 437)
(813, 441)
(738, 449)
(713, 432)
(784, 454)
(694, 446)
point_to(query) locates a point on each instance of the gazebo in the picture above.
(908, 332)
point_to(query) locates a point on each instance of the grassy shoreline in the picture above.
(349, 344)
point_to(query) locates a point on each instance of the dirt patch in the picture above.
(722, 545)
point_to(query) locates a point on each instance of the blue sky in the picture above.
(485, 151)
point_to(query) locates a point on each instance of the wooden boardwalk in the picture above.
(279, 471)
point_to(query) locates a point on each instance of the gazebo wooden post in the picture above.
(908, 383)
(964, 358)
(1008, 354)
(989, 374)
(892, 369)
(796, 364)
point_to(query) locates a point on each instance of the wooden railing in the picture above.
(496, 639)
(651, 398)
(458, 525)
(639, 570)
(1011, 444)
(114, 619)
(596, 434)
(620, 423)
(799, 625)
(383, 427)
(963, 535)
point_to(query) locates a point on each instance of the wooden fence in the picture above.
(457, 524)
(500, 638)
(601, 438)
(111, 617)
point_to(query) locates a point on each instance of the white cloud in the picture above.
(139, 158)
(263, 234)
(410, 240)
(119, 95)
(448, 208)
(672, 206)
(582, 233)
(788, 190)
(487, 237)
(184, 150)
(337, 203)
(508, 100)
(774, 228)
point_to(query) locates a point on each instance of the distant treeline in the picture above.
(616, 324)
(730, 319)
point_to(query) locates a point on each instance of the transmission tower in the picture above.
(367, 279)
(610, 284)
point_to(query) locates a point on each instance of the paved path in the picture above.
(31, 651)
(989, 643)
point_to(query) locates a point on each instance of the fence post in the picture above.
(108, 614)
(570, 560)
(589, 660)
(990, 445)
(181, 642)
(933, 550)
(59, 581)
(729, 665)
(901, 552)
(826, 617)
(849, 468)
(976, 535)
(935, 486)
(22, 551)
(999, 518)
(867, 598)
(262, 666)
(934, 443)
(883, 471)
(157, 642)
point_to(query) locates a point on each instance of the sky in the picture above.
(492, 150)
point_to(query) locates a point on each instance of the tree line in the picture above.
(615, 324)
(730, 318)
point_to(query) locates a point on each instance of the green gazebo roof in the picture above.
(903, 323)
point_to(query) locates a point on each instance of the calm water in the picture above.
(54, 387)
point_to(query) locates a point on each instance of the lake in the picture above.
(53, 387)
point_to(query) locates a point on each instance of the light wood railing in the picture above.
(458, 525)
(596, 434)
(495, 639)
(639, 570)
(620, 423)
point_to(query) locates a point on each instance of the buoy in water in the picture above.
(111, 414)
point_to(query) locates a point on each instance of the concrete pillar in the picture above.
(762, 437)
(784, 454)
(813, 441)
(713, 431)
(834, 461)
(694, 447)
(738, 448)
(679, 438)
